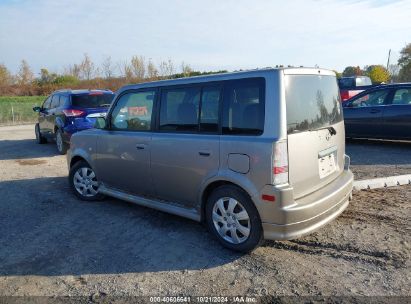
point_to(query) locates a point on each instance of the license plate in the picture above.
(326, 165)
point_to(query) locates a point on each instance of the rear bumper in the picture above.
(303, 216)
(79, 124)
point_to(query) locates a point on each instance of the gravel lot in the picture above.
(53, 244)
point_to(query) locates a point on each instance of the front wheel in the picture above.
(232, 217)
(62, 146)
(40, 139)
(84, 183)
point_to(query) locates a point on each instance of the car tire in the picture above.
(233, 219)
(84, 183)
(62, 146)
(40, 139)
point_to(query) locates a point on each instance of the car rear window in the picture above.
(92, 100)
(313, 102)
(345, 83)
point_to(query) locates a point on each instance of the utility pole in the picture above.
(388, 61)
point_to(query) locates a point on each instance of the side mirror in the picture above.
(37, 109)
(100, 123)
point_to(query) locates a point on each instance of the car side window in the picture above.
(402, 97)
(63, 100)
(209, 109)
(46, 104)
(243, 112)
(55, 101)
(133, 111)
(179, 109)
(376, 98)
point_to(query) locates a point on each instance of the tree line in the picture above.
(398, 72)
(86, 74)
(111, 75)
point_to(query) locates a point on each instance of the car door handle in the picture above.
(204, 153)
(375, 111)
(141, 146)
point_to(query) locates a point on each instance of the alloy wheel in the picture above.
(231, 220)
(85, 182)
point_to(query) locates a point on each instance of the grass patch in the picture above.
(19, 109)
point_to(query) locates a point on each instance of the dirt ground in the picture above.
(53, 244)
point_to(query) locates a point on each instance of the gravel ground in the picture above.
(53, 244)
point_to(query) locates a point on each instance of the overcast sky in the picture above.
(208, 35)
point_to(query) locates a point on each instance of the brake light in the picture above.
(345, 95)
(280, 163)
(73, 112)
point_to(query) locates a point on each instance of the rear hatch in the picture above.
(315, 127)
(93, 105)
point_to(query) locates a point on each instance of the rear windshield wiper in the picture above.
(332, 130)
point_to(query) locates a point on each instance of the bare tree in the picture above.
(87, 67)
(139, 66)
(186, 69)
(166, 68)
(25, 75)
(73, 70)
(394, 70)
(152, 71)
(126, 70)
(108, 68)
(5, 76)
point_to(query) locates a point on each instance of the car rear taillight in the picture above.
(345, 95)
(280, 163)
(73, 112)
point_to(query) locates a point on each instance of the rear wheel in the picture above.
(62, 146)
(40, 139)
(84, 183)
(232, 217)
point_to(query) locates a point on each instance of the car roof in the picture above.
(381, 87)
(390, 86)
(82, 91)
(228, 76)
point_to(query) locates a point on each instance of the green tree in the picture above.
(338, 74)
(65, 80)
(352, 71)
(378, 74)
(405, 63)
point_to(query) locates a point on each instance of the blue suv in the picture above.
(65, 112)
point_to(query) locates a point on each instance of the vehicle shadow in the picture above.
(25, 148)
(46, 230)
(378, 152)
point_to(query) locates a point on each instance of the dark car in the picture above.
(68, 111)
(353, 85)
(381, 112)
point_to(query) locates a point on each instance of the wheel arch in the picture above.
(241, 183)
(76, 159)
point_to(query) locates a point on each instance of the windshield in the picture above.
(313, 102)
(92, 100)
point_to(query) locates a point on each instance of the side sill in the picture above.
(191, 214)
